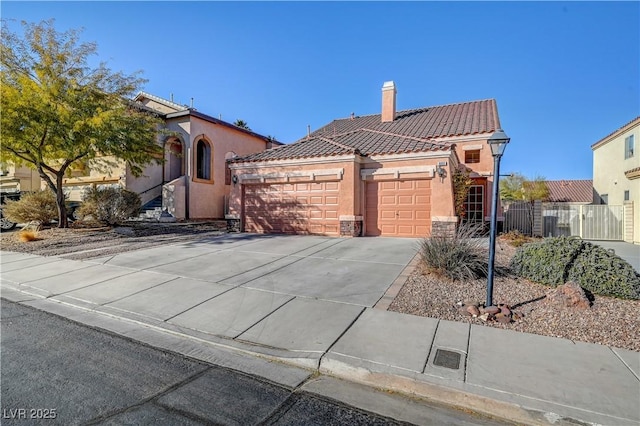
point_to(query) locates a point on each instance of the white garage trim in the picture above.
(310, 174)
(397, 171)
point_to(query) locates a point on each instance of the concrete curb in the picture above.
(292, 369)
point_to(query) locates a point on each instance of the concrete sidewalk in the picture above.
(253, 310)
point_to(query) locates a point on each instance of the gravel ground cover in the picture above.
(86, 243)
(609, 321)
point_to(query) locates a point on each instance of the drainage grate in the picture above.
(447, 359)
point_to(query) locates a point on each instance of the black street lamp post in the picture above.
(498, 142)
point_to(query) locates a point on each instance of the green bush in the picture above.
(38, 207)
(547, 261)
(110, 206)
(458, 255)
(602, 272)
(554, 261)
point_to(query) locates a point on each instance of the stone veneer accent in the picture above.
(351, 228)
(444, 226)
(233, 224)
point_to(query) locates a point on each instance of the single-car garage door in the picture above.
(292, 208)
(399, 208)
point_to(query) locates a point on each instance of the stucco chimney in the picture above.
(388, 101)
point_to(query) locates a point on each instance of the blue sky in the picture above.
(564, 74)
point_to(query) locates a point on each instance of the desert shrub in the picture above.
(602, 272)
(110, 206)
(547, 261)
(554, 261)
(26, 235)
(38, 207)
(458, 255)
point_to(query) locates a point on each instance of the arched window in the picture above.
(203, 160)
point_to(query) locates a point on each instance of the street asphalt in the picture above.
(313, 303)
(57, 372)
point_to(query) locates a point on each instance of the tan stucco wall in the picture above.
(149, 185)
(609, 166)
(484, 168)
(206, 200)
(28, 179)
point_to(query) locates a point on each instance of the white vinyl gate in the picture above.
(602, 222)
(591, 222)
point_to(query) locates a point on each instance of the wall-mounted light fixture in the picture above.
(234, 179)
(440, 169)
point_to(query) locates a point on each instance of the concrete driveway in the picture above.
(292, 293)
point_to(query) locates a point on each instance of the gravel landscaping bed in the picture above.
(86, 243)
(609, 321)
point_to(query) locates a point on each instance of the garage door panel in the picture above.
(389, 200)
(405, 199)
(398, 208)
(405, 230)
(406, 185)
(422, 199)
(389, 185)
(292, 208)
(331, 200)
(331, 214)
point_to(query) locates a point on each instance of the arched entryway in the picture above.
(174, 160)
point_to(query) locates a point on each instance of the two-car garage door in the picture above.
(292, 208)
(397, 208)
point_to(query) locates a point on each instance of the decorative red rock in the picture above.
(473, 310)
(492, 310)
(568, 295)
(503, 319)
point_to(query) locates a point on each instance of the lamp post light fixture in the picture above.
(497, 142)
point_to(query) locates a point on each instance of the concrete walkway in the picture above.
(309, 302)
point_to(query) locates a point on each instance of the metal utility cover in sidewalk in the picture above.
(447, 359)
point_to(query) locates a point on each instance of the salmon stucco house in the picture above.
(387, 174)
(194, 180)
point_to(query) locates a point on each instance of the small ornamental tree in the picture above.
(461, 184)
(60, 113)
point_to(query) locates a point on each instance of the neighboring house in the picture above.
(386, 174)
(16, 179)
(570, 191)
(616, 172)
(193, 181)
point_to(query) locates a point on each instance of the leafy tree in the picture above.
(518, 188)
(59, 113)
(242, 124)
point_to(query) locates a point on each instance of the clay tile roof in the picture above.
(571, 191)
(415, 130)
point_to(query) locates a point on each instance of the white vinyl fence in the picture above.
(591, 222)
